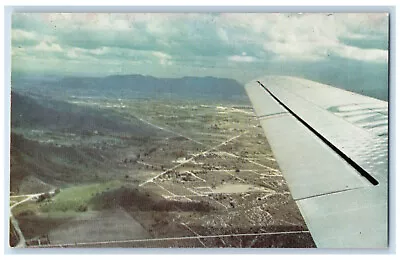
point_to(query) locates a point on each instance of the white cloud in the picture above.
(164, 58)
(19, 35)
(48, 47)
(99, 51)
(80, 54)
(310, 37)
(22, 35)
(161, 55)
(351, 52)
(238, 58)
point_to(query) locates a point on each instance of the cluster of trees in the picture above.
(47, 195)
(43, 197)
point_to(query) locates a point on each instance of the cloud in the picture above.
(161, 55)
(164, 59)
(20, 35)
(28, 38)
(44, 46)
(242, 58)
(236, 45)
(372, 55)
(316, 36)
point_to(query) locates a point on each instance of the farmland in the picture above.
(198, 174)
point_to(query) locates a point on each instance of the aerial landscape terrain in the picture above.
(139, 161)
(172, 130)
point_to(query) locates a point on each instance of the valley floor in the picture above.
(207, 179)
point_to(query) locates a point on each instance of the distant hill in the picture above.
(27, 112)
(135, 86)
(37, 164)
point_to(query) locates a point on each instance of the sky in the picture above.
(330, 48)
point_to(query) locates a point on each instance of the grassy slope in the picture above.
(74, 197)
(69, 200)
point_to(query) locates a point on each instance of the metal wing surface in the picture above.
(332, 148)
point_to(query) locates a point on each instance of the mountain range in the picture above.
(133, 86)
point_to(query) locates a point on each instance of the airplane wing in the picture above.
(332, 148)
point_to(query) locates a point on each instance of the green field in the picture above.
(76, 198)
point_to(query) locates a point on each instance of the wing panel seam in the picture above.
(328, 193)
(272, 115)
